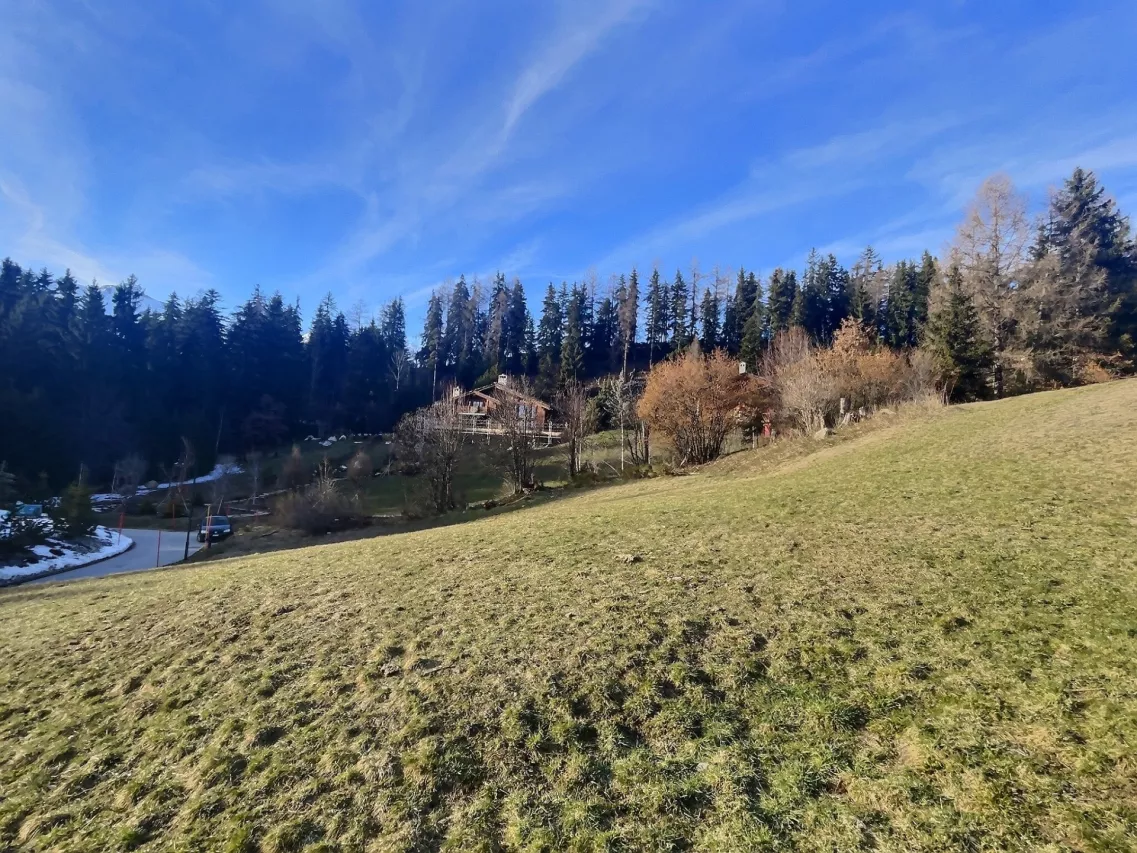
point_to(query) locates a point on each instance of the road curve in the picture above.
(145, 554)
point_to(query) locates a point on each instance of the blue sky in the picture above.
(374, 149)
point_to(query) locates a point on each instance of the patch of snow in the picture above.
(103, 543)
(217, 473)
(43, 521)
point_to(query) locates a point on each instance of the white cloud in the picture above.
(574, 40)
(873, 145)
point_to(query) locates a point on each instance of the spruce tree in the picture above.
(658, 315)
(572, 348)
(740, 308)
(94, 333)
(678, 313)
(430, 354)
(529, 359)
(811, 307)
(11, 291)
(549, 332)
(837, 298)
(728, 331)
(628, 309)
(67, 290)
(954, 337)
(604, 346)
(516, 321)
(754, 333)
(922, 286)
(366, 388)
(863, 287)
(780, 303)
(393, 325)
(493, 346)
(898, 308)
(328, 355)
(710, 340)
(1096, 261)
(457, 352)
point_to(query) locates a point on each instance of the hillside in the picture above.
(921, 636)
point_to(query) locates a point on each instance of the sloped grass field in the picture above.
(921, 635)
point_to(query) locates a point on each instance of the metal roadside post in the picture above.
(189, 527)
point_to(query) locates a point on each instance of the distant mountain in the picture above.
(146, 303)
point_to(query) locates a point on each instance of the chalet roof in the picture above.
(489, 391)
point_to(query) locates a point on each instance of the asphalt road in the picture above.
(144, 555)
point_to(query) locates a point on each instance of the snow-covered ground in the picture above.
(217, 473)
(57, 555)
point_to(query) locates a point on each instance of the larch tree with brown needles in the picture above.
(991, 249)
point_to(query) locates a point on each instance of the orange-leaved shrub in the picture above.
(695, 401)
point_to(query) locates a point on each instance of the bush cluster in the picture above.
(321, 508)
(809, 383)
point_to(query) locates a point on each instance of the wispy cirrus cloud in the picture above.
(576, 37)
(373, 149)
(449, 186)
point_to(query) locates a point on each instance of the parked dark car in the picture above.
(214, 527)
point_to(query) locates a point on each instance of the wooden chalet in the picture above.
(476, 407)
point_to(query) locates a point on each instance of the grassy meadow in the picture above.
(920, 634)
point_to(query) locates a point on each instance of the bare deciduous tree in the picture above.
(360, 467)
(991, 250)
(294, 474)
(807, 393)
(620, 396)
(430, 441)
(572, 405)
(516, 421)
(254, 460)
(358, 314)
(176, 477)
(398, 366)
(219, 487)
(128, 474)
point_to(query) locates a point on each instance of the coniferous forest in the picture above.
(87, 376)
